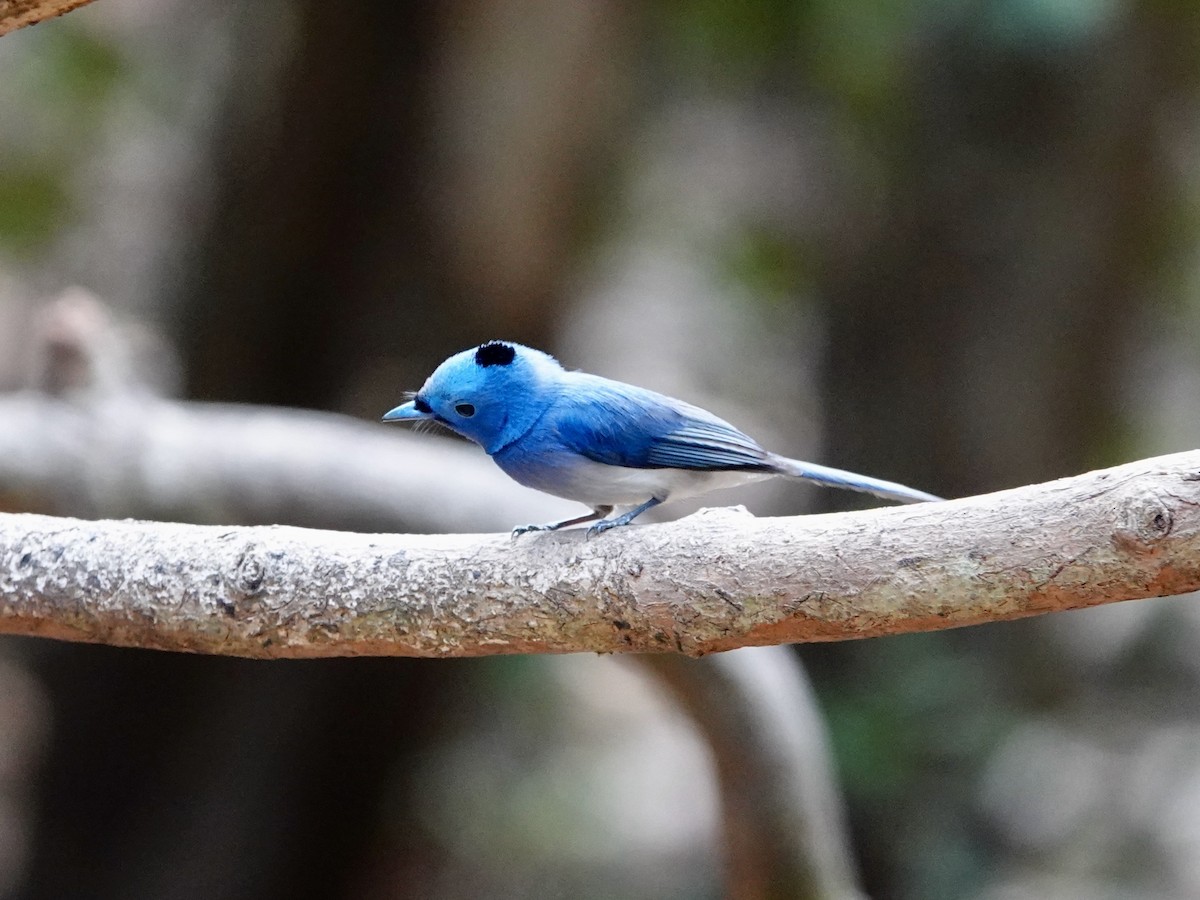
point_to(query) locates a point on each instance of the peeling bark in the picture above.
(16, 14)
(715, 581)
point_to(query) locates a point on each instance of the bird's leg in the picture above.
(598, 513)
(623, 519)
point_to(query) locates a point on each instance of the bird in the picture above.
(605, 443)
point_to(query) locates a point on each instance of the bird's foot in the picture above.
(604, 525)
(525, 529)
(624, 519)
(597, 513)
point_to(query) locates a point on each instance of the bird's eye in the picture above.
(466, 410)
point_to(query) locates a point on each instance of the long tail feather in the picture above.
(888, 490)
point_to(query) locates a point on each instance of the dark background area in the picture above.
(953, 245)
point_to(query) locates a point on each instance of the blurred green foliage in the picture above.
(60, 87)
(910, 733)
(77, 71)
(768, 264)
(33, 204)
(1046, 24)
(732, 42)
(853, 51)
(909, 690)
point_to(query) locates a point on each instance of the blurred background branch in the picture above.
(783, 820)
(98, 438)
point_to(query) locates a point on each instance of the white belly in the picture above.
(597, 484)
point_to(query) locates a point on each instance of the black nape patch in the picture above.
(495, 353)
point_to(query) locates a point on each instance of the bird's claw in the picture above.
(602, 526)
(525, 529)
(592, 530)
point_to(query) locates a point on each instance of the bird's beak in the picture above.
(405, 412)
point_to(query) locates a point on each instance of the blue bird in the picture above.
(601, 442)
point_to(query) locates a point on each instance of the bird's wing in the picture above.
(622, 425)
(703, 443)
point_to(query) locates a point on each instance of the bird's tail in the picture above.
(850, 481)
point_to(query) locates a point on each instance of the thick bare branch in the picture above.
(16, 14)
(714, 581)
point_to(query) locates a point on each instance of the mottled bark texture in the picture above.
(715, 581)
(16, 14)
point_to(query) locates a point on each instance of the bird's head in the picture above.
(490, 394)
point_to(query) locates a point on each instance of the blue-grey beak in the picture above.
(405, 412)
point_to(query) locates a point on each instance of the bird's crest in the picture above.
(495, 353)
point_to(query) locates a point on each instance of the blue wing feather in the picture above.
(622, 425)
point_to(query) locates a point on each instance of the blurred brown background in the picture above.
(951, 244)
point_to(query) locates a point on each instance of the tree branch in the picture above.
(16, 14)
(715, 581)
